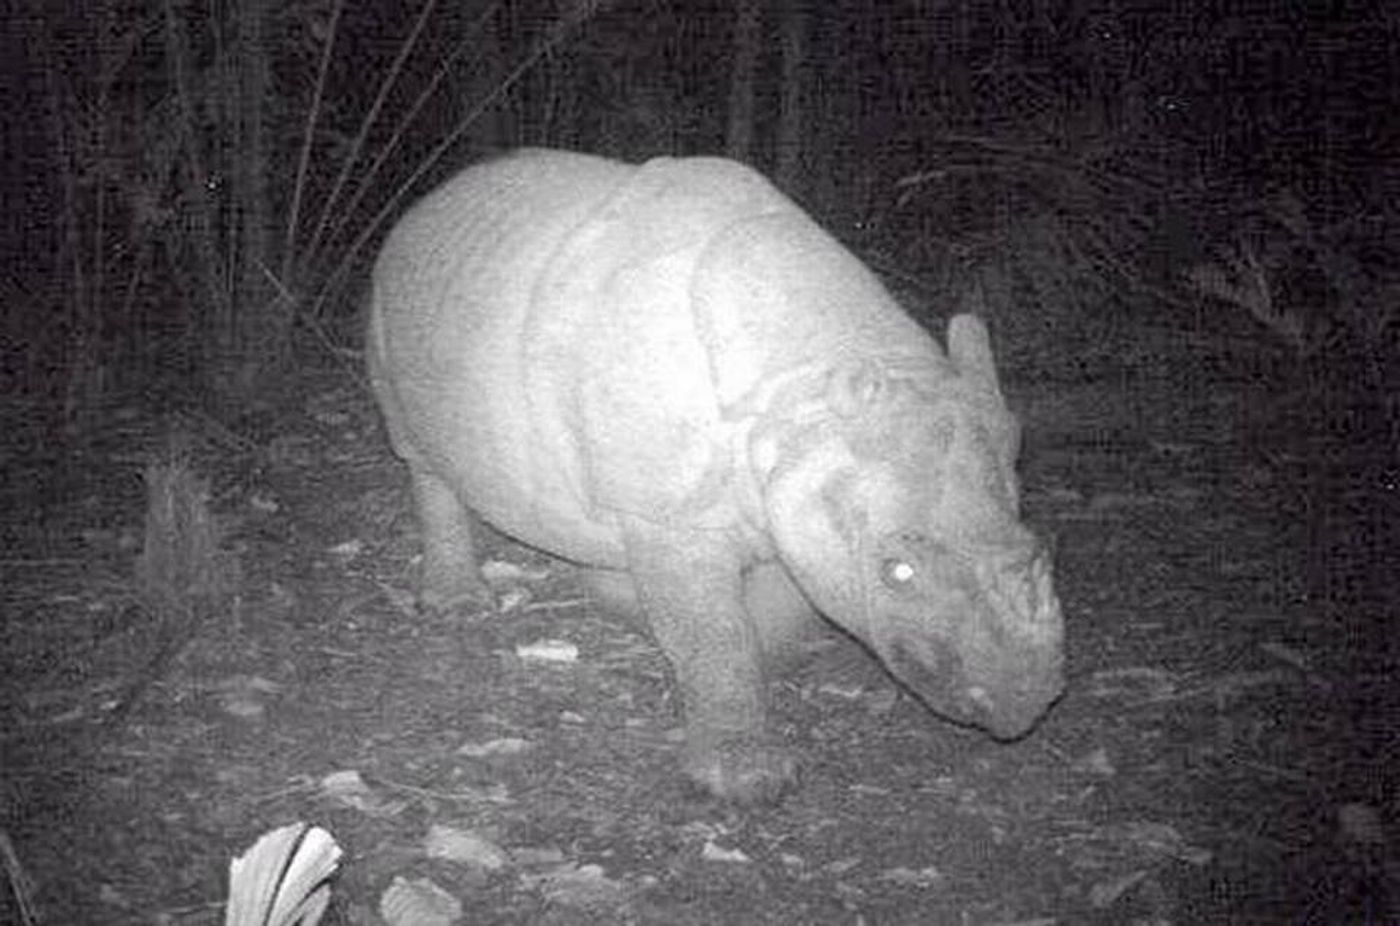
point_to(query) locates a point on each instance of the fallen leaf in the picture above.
(1096, 762)
(465, 847)
(503, 746)
(712, 852)
(557, 651)
(349, 789)
(418, 902)
(923, 877)
(283, 879)
(1106, 893)
(577, 886)
(348, 550)
(500, 572)
(513, 600)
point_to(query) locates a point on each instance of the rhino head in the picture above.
(896, 509)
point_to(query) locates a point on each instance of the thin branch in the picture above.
(561, 29)
(194, 163)
(366, 180)
(353, 155)
(304, 160)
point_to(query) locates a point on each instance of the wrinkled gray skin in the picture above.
(669, 374)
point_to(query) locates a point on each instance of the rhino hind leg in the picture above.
(449, 577)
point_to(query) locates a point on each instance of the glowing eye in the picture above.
(897, 572)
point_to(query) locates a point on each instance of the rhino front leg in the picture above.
(449, 576)
(690, 587)
(788, 628)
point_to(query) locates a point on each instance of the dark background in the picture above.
(1143, 134)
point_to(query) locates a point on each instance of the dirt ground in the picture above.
(1226, 752)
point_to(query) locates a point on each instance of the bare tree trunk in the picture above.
(262, 320)
(792, 118)
(202, 273)
(82, 135)
(739, 143)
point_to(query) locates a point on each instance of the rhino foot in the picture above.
(743, 770)
(444, 590)
(613, 590)
(449, 578)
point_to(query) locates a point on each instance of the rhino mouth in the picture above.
(1007, 704)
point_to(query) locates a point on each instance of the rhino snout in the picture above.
(1007, 703)
(1014, 713)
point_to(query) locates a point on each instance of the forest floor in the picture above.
(1227, 750)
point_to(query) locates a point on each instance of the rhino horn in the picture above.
(970, 349)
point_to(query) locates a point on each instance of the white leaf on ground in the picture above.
(868, 790)
(1105, 894)
(513, 600)
(343, 784)
(502, 746)
(108, 894)
(245, 696)
(418, 902)
(465, 847)
(263, 502)
(330, 417)
(559, 651)
(235, 705)
(1096, 762)
(841, 865)
(847, 691)
(713, 852)
(348, 550)
(258, 683)
(577, 886)
(349, 789)
(284, 879)
(500, 572)
(700, 829)
(924, 877)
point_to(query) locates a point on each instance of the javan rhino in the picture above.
(670, 375)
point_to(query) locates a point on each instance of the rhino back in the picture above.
(662, 320)
(559, 336)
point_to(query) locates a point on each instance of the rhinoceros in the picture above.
(670, 375)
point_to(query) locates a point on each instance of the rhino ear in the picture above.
(807, 504)
(854, 387)
(970, 349)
